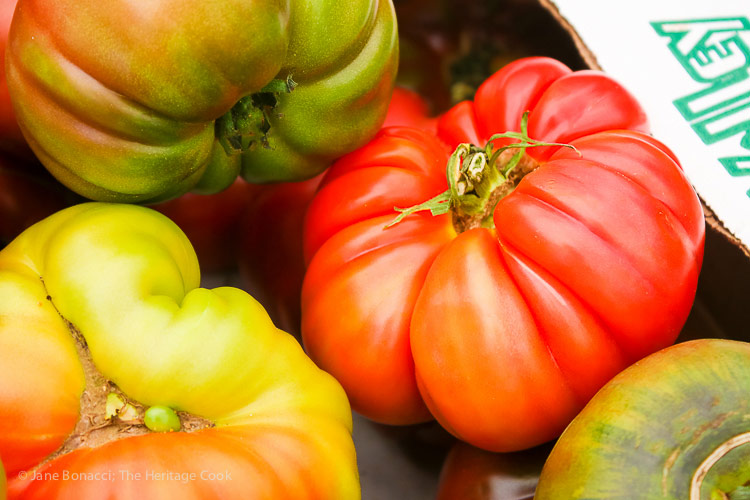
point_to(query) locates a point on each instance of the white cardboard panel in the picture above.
(688, 62)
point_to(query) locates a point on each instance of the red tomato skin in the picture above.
(211, 223)
(373, 331)
(513, 329)
(409, 109)
(271, 261)
(553, 97)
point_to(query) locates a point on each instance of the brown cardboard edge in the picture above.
(715, 223)
(588, 56)
(724, 283)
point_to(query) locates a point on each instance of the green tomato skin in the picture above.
(2, 482)
(354, 98)
(119, 99)
(646, 433)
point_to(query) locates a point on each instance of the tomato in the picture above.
(124, 101)
(2, 482)
(271, 260)
(501, 318)
(673, 426)
(27, 195)
(211, 223)
(473, 474)
(107, 344)
(408, 109)
(11, 139)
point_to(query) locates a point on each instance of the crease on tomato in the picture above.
(474, 349)
(616, 317)
(606, 352)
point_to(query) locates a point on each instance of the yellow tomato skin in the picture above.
(128, 280)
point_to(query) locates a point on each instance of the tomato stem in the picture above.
(478, 178)
(248, 122)
(438, 205)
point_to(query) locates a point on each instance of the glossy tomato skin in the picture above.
(473, 474)
(133, 117)
(211, 223)
(502, 333)
(101, 296)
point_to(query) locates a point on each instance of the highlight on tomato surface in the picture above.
(473, 474)
(563, 245)
(121, 378)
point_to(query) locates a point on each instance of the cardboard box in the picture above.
(688, 63)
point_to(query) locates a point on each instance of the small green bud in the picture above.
(161, 419)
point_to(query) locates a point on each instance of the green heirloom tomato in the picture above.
(135, 101)
(674, 426)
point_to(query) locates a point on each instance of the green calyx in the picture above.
(478, 178)
(247, 123)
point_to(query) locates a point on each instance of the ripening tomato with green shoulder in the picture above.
(674, 426)
(141, 102)
(118, 370)
(563, 244)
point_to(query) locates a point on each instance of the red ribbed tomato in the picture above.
(544, 273)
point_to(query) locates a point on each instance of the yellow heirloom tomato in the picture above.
(120, 378)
